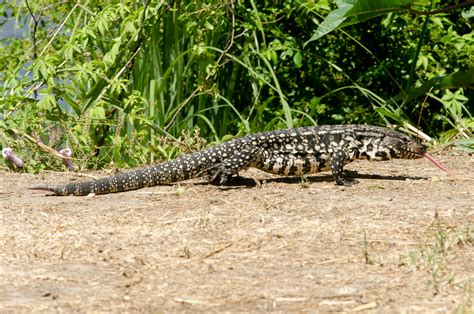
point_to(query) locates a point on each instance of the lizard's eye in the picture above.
(396, 146)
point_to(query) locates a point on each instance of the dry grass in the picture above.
(388, 244)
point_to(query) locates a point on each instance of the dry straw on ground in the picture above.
(398, 241)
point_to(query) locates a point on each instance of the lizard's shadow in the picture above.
(246, 182)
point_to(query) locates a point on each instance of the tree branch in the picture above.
(36, 20)
(444, 10)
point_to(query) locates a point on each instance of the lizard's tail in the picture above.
(55, 188)
(180, 169)
(132, 180)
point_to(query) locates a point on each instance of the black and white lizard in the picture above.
(291, 152)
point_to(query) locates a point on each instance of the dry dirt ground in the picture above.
(399, 241)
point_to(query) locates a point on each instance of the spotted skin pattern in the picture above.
(291, 152)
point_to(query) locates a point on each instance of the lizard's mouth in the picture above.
(437, 164)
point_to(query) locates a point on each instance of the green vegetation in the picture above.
(126, 82)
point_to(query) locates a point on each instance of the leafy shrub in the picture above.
(112, 79)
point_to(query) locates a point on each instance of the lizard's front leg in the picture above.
(338, 158)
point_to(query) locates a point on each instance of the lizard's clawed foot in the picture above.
(216, 174)
(346, 181)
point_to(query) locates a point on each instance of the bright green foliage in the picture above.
(351, 12)
(117, 80)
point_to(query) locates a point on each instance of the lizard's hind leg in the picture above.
(221, 172)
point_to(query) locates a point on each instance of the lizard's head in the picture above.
(396, 145)
(385, 144)
(401, 146)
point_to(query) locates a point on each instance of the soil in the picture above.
(401, 240)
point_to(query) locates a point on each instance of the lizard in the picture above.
(290, 152)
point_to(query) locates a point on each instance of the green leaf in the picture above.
(47, 102)
(297, 59)
(466, 144)
(459, 79)
(208, 25)
(98, 113)
(469, 13)
(67, 99)
(332, 21)
(351, 12)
